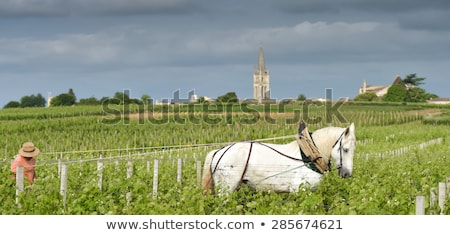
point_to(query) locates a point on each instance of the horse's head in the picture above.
(343, 151)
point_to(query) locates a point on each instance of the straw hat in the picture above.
(29, 150)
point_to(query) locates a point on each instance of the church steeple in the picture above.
(261, 65)
(261, 86)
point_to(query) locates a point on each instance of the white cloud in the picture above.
(140, 45)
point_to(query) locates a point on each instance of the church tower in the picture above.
(261, 86)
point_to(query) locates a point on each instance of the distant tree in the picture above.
(104, 99)
(301, 97)
(396, 93)
(429, 96)
(229, 97)
(417, 94)
(12, 104)
(146, 99)
(32, 101)
(368, 96)
(64, 99)
(135, 101)
(89, 101)
(121, 98)
(412, 93)
(70, 92)
(412, 80)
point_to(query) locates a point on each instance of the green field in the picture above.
(402, 151)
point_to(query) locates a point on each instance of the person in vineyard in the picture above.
(26, 158)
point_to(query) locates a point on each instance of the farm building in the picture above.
(439, 101)
(379, 90)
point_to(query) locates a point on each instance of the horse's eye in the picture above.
(345, 150)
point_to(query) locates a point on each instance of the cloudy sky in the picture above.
(155, 47)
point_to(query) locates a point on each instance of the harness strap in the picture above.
(246, 164)
(215, 168)
(221, 156)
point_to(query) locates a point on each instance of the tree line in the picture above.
(407, 90)
(69, 99)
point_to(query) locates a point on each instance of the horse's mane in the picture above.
(325, 138)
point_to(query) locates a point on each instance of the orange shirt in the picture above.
(28, 167)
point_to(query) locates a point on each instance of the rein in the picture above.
(339, 140)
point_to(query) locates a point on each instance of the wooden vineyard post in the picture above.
(129, 169)
(199, 173)
(432, 198)
(420, 205)
(442, 191)
(155, 178)
(59, 167)
(63, 187)
(100, 174)
(129, 174)
(179, 170)
(19, 184)
(81, 166)
(448, 185)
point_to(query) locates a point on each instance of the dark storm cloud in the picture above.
(58, 44)
(30, 8)
(49, 8)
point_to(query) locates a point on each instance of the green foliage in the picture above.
(301, 97)
(368, 96)
(146, 99)
(89, 101)
(396, 93)
(12, 104)
(122, 98)
(408, 91)
(229, 97)
(64, 99)
(32, 101)
(413, 80)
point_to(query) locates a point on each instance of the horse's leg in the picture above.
(207, 179)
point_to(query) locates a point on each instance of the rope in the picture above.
(187, 146)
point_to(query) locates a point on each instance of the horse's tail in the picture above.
(207, 179)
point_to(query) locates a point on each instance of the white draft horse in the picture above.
(276, 167)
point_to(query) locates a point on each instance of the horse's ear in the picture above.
(350, 129)
(301, 127)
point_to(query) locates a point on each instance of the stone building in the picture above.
(261, 82)
(380, 91)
